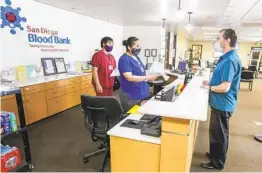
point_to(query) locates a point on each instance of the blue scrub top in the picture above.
(228, 68)
(134, 90)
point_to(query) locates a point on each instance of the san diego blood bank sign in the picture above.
(38, 37)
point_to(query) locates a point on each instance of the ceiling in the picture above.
(242, 15)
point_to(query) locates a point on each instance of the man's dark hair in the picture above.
(105, 40)
(230, 33)
(129, 42)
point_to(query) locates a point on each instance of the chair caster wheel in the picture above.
(86, 160)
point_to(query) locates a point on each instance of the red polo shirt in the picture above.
(105, 64)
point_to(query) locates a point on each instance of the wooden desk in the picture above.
(172, 152)
(48, 95)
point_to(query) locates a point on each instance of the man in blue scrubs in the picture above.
(224, 87)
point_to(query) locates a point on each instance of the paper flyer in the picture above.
(21, 72)
(30, 71)
(115, 72)
(78, 66)
(8, 74)
(157, 68)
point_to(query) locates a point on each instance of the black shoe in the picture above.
(209, 165)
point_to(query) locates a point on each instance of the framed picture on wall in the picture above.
(147, 52)
(197, 52)
(48, 66)
(60, 65)
(154, 52)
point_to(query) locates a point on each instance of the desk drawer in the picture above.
(73, 88)
(86, 78)
(86, 84)
(56, 105)
(72, 80)
(88, 91)
(73, 99)
(33, 89)
(55, 92)
(7, 97)
(54, 84)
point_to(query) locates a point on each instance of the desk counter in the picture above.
(48, 95)
(191, 104)
(134, 134)
(45, 79)
(172, 152)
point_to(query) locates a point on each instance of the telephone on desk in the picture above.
(153, 125)
(149, 125)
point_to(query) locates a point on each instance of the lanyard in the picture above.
(139, 63)
(109, 59)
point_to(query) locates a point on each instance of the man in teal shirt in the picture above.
(224, 87)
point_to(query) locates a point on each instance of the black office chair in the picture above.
(247, 76)
(100, 114)
(254, 69)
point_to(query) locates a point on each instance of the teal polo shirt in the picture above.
(228, 68)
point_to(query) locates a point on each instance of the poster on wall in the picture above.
(38, 37)
(197, 52)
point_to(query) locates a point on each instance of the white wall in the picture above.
(149, 37)
(183, 39)
(84, 32)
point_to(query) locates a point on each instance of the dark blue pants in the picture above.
(219, 136)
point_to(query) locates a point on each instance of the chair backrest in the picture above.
(246, 74)
(252, 68)
(101, 113)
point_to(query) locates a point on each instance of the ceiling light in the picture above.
(179, 13)
(211, 29)
(164, 23)
(210, 37)
(189, 25)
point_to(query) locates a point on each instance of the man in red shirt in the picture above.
(103, 65)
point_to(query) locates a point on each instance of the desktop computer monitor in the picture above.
(182, 65)
(169, 94)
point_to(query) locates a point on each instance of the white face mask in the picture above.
(218, 47)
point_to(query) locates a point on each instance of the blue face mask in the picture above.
(136, 51)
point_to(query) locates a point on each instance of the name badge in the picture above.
(110, 67)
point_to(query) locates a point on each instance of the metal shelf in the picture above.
(27, 163)
(19, 130)
(24, 167)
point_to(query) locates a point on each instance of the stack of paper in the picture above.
(157, 68)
